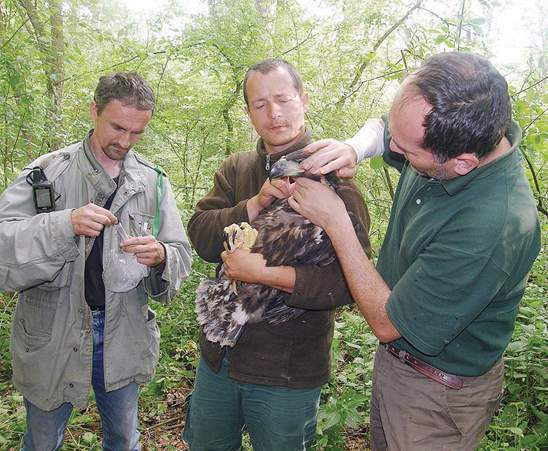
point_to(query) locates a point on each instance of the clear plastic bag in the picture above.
(121, 270)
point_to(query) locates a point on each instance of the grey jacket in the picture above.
(42, 259)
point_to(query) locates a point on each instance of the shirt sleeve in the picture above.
(441, 293)
(368, 141)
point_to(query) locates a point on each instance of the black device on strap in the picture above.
(43, 193)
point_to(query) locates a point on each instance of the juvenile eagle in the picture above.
(284, 238)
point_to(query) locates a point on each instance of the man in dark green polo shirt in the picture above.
(462, 237)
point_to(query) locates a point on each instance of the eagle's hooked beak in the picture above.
(285, 168)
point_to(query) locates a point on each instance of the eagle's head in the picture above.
(290, 166)
(286, 168)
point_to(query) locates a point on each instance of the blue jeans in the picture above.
(277, 418)
(118, 409)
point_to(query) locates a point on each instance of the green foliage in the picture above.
(345, 399)
(352, 54)
(522, 422)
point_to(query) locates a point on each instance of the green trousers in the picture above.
(276, 418)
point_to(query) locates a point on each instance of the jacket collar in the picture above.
(131, 176)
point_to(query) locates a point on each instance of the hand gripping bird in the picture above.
(284, 238)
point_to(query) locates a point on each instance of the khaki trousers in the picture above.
(410, 412)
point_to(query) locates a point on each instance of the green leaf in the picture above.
(89, 438)
(376, 163)
(516, 431)
(330, 420)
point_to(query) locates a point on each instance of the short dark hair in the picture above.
(127, 87)
(270, 65)
(471, 108)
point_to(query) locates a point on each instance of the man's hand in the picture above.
(147, 249)
(270, 191)
(329, 155)
(90, 220)
(250, 267)
(318, 203)
(244, 266)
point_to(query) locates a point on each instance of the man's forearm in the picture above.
(368, 288)
(253, 207)
(251, 267)
(280, 277)
(368, 141)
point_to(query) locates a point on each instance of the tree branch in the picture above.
(232, 99)
(534, 120)
(13, 35)
(105, 68)
(540, 207)
(388, 182)
(298, 44)
(164, 67)
(355, 90)
(459, 29)
(531, 86)
(445, 21)
(37, 27)
(379, 41)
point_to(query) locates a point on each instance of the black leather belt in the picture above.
(449, 380)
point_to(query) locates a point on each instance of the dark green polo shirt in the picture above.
(456, 256)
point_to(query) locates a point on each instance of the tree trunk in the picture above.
(56, 70)
(2, 24)
(52, 55)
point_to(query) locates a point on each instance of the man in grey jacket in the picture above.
(87, 233)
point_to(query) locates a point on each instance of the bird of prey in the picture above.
(284, 238)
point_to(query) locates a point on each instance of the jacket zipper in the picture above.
(267, 166)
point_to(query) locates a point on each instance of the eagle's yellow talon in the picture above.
(240, 236)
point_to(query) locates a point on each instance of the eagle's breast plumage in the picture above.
(285, 238)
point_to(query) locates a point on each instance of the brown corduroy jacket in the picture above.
(296, 353)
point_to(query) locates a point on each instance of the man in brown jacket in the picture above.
(269, 383)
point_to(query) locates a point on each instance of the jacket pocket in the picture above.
(30, 340)
(313, 323)
(151, 352)
(35, 312)
(61, 280)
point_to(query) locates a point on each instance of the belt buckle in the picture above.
(402, 355)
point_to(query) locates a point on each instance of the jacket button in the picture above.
(27, 349)
(71, 385)
(75, 349)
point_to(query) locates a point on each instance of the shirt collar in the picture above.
(130, 173)
(89, 153)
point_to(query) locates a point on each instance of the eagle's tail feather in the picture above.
(231, 336)
(278, 312)
(221, 318)
(203, 297)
